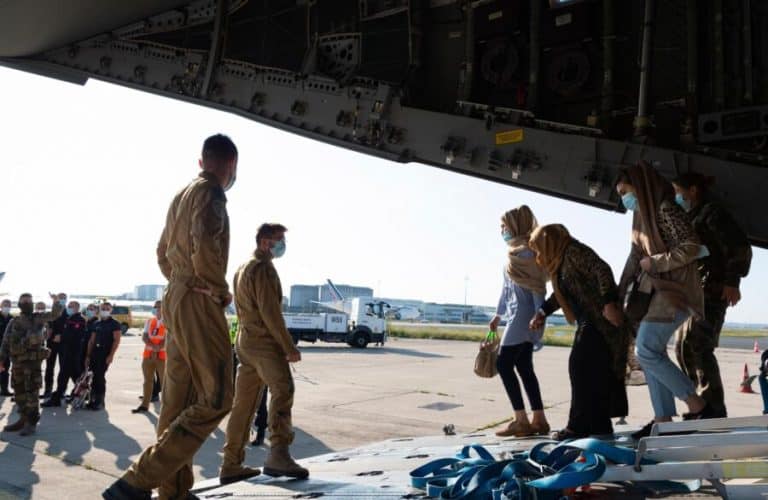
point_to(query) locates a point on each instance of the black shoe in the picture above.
(6, 392)
(566, 434)
(94, 406)
(121, 490)
(644, 432)
(259, 438)
(706, 412)
(51, 402)
(140, 409)
(154, 399)
(46, 395)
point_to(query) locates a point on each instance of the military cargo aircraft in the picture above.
(553, 96)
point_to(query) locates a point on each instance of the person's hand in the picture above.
(56, 339)
(613, 314)
(731, 295)
(293, 357)
(646, 264)
(227, 300)
(494, 324)
(109, 359)
(53, 296)
(537, 322)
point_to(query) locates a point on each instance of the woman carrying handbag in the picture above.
(521, 295)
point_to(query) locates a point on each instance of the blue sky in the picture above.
(88, 173)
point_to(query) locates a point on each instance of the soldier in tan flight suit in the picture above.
(197, 389)
(264, 348)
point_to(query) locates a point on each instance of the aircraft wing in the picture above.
(554, 97)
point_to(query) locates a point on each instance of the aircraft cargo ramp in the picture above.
(726, 458)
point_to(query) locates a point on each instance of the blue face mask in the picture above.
(63, 302)
(154, 311)
(630, 201)
(506, 236)
(89, 313)
(278, 249)
(686, 204)
(70, 311)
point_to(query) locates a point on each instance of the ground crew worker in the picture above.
(91, 317)
(197, 387)
(153, 357)
(71, 362)
(5, 318)
(726, 260)
(104, 341)
(264, 348)
(23, 342)
(55, 332)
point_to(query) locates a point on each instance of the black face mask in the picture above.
(26, 307)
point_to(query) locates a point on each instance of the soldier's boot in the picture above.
(279, 463)
(231, 473)
(29, 429)
(52, 402)
(16, 426)
(122, 490)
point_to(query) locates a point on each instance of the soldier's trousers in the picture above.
(256, 370)
(151, 367)
(26, 379)
(695, 347)
(197, 391)
(99, 366)
(70, 368)
(50, 364)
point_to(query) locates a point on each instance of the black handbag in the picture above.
(636, 303)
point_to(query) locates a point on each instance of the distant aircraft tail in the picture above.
(335, 293)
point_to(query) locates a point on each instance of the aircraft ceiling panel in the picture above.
(548, 99)
(29, 27)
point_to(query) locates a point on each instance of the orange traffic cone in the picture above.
(757, 349)
(746, 382)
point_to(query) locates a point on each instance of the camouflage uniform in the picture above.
(23, 342)
(729, 259)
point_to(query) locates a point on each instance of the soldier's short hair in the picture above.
(218, 149)
(267, 230)
(25, 296)
(106, 304)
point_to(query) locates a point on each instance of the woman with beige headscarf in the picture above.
(662, 264)
(585, 290)
(521, 295)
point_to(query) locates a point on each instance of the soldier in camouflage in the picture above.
(23, 343)
(725, 261)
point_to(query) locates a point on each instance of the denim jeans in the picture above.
(665, 380)
(764, 390)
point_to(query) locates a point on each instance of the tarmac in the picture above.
(345, 398)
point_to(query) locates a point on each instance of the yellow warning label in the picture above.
(509, 137)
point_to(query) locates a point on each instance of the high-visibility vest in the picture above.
(156, 334)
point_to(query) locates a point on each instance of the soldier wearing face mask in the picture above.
(265, 349)
(197, 388)
(70, 350)
(105, 338)
(56, 330)
(5, 318)
(23, 342)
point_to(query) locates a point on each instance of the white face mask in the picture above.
(105, 314)
(6, 310)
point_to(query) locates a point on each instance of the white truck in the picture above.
(365, 323)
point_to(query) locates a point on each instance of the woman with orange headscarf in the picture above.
(521, 295)
(662, 265)
(585, 290)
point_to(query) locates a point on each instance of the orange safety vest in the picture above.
(156, 334)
